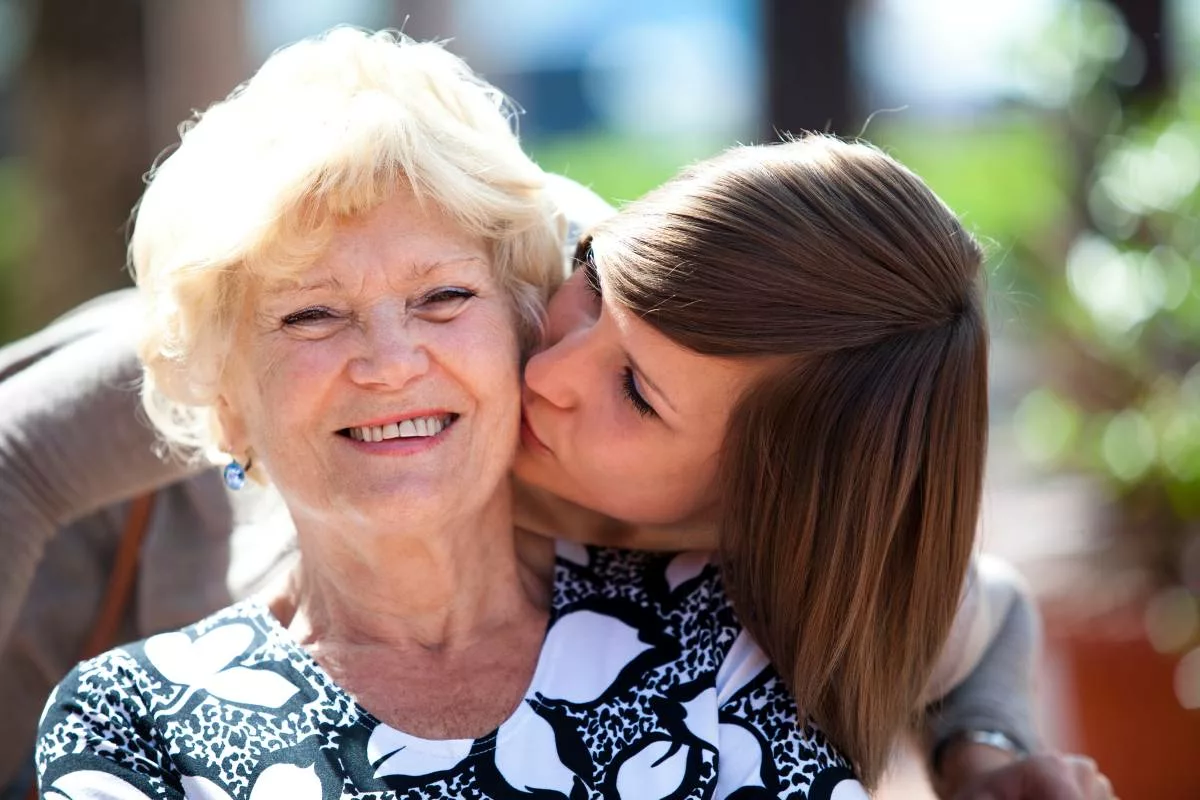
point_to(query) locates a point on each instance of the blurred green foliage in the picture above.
(617, 168)
(1118, 280)
(1001, 173)
(16, 239)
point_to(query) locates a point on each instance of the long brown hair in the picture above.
(852, 472)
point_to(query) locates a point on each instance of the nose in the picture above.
(555, 373)
(392, 351)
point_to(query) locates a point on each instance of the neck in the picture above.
(439, 587)
(547, 514)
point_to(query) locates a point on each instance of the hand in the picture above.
(1041, 777)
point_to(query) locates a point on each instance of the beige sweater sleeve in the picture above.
(72, 440)
(984, 677)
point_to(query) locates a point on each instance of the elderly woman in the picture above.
(340, 268)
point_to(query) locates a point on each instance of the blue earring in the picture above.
(235, 474)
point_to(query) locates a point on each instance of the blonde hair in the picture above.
(329, 127)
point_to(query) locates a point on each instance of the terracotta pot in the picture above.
(1122, 704)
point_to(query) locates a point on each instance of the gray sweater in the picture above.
(74, 448)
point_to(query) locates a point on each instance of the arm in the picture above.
(991, 687)
(72, 440)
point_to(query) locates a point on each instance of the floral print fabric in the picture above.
(645, 688)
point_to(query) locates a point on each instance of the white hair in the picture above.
(329, 127)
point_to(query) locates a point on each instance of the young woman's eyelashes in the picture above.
(629, 385)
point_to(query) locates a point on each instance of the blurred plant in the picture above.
(16, 240)
(1119, 308)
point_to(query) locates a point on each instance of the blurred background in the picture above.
(1065, 132)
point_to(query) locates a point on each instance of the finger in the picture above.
(1053, 777)
(1087, 777)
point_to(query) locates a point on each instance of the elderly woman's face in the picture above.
(382, 384)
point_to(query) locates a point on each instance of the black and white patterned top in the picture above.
(645, 688)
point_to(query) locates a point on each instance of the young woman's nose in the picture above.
(557, 371)
(392, 351)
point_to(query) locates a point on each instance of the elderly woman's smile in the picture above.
(426, 426)
(388, 366)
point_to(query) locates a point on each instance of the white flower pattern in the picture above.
(204, 664)
(276, 781)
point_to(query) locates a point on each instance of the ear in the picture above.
(234, 439)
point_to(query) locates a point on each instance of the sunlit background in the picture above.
(1065, 132)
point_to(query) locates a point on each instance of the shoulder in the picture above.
(681, 592)
(112, 310)
(767, 746)
(145, 676)
(670, 611)
(128, 720)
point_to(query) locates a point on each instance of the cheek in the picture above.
(483, 354)
(283, 389)
(649, 476)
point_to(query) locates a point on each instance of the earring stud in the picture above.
(235, 474)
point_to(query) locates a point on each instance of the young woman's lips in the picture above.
(529, 438)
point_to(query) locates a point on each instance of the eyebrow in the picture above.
(421, 270)
(286, 286)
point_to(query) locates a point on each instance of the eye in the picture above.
(629, 385)
(590, 275)
(307, 316)
(442, 304)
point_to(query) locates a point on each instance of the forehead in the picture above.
(400, 239)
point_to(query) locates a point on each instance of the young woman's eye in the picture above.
(307, 316)
(629, 384)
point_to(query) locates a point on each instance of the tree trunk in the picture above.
(1146, 20)
(82, 110)
(196, 53)
(810, 81)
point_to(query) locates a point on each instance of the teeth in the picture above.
(408, 429)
